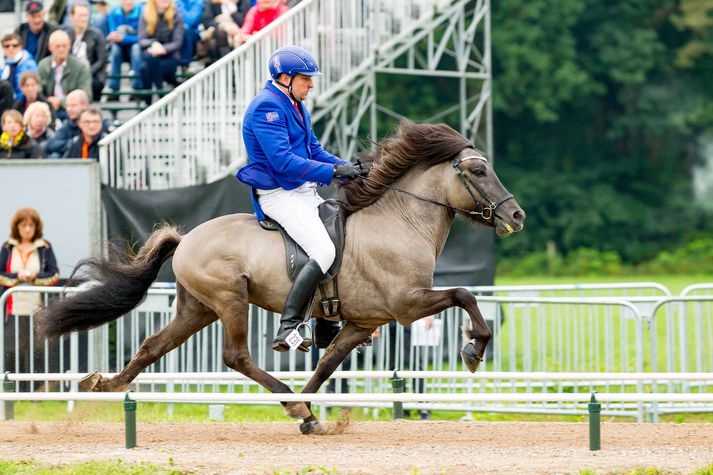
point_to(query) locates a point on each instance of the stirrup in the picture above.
(281, 344)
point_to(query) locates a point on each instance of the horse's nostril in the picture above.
(517, 215)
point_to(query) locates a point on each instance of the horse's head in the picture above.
(477, 191)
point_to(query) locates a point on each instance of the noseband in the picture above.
(486, 212)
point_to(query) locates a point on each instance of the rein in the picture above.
(485, 212)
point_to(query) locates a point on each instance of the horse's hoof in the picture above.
(470, 357)
(89, 382)
(313, 428)
(297, 410)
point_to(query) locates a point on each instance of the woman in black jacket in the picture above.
(14, 142)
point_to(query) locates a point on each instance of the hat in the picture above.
(34, 6)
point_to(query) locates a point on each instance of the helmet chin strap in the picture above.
(288, 87)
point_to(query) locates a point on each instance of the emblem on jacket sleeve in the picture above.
(272, 116)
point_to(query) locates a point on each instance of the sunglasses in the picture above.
(11, 45)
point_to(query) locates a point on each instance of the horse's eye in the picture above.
(479, 172)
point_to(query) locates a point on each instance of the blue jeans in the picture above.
(131, 54)
(188, 48)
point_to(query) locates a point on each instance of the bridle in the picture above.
(486, 212)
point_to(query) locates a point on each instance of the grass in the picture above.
(650, 471)
(109, 467)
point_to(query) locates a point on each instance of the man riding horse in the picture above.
(286, 163)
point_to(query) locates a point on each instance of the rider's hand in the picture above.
(346, 171)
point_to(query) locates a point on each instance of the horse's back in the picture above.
(221, 254)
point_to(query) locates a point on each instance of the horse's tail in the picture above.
(118, 285)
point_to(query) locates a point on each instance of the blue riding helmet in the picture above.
(293, 60)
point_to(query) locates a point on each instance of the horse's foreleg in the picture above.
(191, 316)
(347, 339)
(429, 302)
(237, 355)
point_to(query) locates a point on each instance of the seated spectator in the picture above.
(61, 12)
(86, 144)
(61, 73)
(262, 14)
(123, 37)
(25, 259)
(35, 32)
(221, 22)
(30, 86)
(14, 142)
(88, 46)
(16, 60)
(191, 11)
(100, 16)
(37, 121)
(7, 96)
(160, 39)
(77, 102)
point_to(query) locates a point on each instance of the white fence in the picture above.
(194, 134)
(553, 334)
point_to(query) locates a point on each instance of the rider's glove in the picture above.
(347, 171)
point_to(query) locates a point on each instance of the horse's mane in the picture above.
(413, 144)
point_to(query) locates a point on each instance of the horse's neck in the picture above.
(408, 219)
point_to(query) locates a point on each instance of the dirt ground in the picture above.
(401, 447)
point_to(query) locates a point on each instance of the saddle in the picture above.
(331, 216)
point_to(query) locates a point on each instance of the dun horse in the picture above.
(400, 216)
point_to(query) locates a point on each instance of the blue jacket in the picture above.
(117, 18)
(283, 151)
(21, 63)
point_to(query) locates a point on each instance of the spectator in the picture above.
(123, 37)
(61, 73)
(16, 60)
(160, 39)
(88, 45)
(61, 11)
(86, 144)
(25, 259)
(14, 142)
(30, 86)
(100, 16)
(191, 11)
(77, 102)
(262, 14)
(37, 123)
(221, 21)
(7, 96)
(35, 32)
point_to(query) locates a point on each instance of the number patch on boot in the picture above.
(294, 339)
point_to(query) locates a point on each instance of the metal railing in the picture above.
(194, 134)
(530, 334)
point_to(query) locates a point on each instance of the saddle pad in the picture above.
(331, 215)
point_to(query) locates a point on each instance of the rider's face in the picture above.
(301, 85)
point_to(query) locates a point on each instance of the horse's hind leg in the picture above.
(234, 318)
(191, 316)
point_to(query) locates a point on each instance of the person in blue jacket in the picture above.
(123, 37)
(286, 163)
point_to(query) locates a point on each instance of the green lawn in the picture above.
(675, 283)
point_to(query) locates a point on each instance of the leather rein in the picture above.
(487, 212)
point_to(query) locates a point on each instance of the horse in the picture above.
(398, 219)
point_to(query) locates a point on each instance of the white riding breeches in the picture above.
(296, 211)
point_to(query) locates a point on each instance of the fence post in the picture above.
(595, 410)
(130, 422)
(398, 386)
(8, 406)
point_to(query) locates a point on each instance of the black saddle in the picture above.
(331, 215)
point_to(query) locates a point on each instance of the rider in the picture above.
(286, 163)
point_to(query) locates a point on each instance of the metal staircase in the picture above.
(194, 134)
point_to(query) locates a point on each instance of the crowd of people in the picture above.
(59, 62)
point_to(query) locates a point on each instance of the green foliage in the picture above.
(696, 256)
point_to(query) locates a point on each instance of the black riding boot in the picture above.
(303, 288)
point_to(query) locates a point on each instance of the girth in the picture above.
(331, 216)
